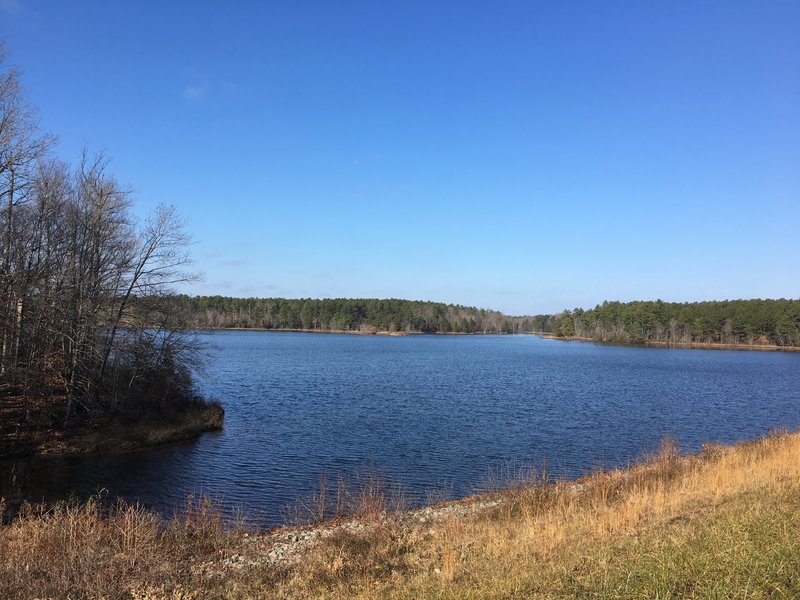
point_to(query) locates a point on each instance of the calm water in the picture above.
(433, 412)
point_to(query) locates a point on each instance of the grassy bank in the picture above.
(723, 523)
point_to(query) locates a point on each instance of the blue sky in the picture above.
(522, 156)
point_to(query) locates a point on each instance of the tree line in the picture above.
(346, 314)
(85, 319)
(751, 322)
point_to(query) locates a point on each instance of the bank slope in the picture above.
(724, 523)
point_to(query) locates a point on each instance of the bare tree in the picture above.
(84, 286)
(21, 147)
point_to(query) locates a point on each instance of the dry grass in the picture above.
(369, 495)
(722, 524)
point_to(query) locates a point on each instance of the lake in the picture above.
(438, 414)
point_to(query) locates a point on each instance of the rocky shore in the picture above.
(288, 546)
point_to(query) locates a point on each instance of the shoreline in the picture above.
(340, 331)
(542, 334)
(684, 345)
(151, 431)
(730, 509)
(381, 332)
(289, 545)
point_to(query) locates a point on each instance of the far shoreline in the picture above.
(382, 332)
(541, 334)
(677, 345)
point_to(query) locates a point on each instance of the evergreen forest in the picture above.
(343, 314)
(749, 322)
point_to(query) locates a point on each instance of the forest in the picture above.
(342, 314)
(86, 330)
(749, 322)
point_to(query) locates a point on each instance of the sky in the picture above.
(521, 156)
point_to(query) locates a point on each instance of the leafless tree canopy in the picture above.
(83, 285)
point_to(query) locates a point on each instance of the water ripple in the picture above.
(433, 413)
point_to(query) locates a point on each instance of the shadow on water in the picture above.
(140, 475)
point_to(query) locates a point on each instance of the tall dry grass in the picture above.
(87, 550)
(368, 495)
(702, 526)
(723, 523)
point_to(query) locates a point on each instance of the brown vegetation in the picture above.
(88, 336)
(34, 426)
(724, 523)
